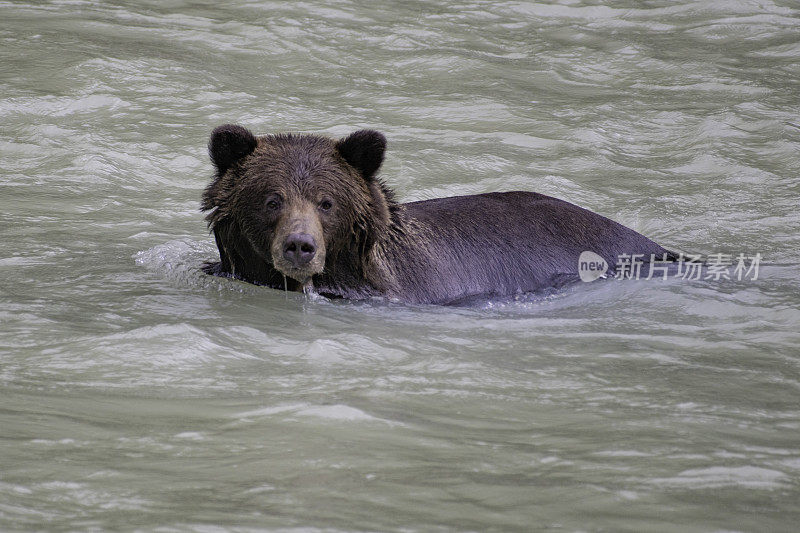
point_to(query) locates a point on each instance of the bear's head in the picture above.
(299, 204)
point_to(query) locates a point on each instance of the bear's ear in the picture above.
(364, 151)
(228, 144)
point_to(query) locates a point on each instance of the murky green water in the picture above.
(136, 393)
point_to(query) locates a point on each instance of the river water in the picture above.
(138, 394)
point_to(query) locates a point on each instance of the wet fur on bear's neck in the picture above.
(442, 250)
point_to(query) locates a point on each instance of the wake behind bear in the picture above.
(306, 212)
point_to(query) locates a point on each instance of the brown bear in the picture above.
(306, 212)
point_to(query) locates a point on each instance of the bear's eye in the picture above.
(325, 205)
(273, 202)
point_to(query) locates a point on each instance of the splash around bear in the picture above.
(308, 212)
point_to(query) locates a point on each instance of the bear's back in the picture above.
(504, 243)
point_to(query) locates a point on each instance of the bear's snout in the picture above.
(298, 243)
(299, 249)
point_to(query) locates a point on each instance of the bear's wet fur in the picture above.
(308, 212)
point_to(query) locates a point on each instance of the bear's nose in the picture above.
(299, 248)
